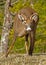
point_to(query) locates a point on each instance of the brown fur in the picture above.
(19, 30)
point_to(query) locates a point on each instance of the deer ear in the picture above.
(20, 17)
(34, 17)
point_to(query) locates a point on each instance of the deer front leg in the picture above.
(26, 43)
(32, 35)
(11, 46)
(32, 38)
(32, 41)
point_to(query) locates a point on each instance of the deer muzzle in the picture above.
(28, 28)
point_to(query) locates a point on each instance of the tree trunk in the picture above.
(6, 29)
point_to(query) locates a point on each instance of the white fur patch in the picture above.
(28, 28)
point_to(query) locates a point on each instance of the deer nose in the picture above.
(28, 28)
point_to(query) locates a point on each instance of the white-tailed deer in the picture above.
(25, 23)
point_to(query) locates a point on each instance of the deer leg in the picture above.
(32, 38)
(26, 43)
(32, 41)
(12, 44)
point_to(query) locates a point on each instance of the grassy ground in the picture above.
(22, 59)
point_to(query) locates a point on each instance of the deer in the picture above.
(25, 25)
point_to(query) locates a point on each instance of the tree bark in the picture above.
(6, 28)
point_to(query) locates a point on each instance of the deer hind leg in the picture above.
(26, 43)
